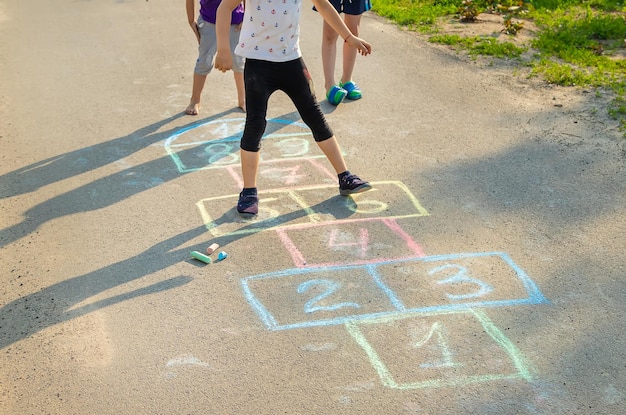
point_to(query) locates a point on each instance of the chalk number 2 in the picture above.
(328, 287)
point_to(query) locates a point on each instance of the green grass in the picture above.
(415, 14)
(478, 45)
(579, 43)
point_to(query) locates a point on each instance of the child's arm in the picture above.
(191, 17)
(328, 12)
(243, 3)
(223, 58)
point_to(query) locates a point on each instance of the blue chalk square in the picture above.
(458, 281)
(315, 297)
(215, 143)
(438, 349)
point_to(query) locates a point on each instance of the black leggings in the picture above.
(262, 78)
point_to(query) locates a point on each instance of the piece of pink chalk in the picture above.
(212, 248)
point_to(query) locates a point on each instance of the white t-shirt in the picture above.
(270, 30)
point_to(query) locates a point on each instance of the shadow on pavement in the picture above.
(102, 192)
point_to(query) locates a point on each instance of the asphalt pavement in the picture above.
(483, 273)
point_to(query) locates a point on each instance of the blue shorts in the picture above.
(352, 7)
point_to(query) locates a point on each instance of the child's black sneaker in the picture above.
(248, 204)
(351, 183)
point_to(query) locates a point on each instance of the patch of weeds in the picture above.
(617, 108)
(478, 45)
(510, 10)
(565, 74)
(577, 47)
(579, 42)
(418, 15)
(468, 11)
(581, 37)
(451, 40)
(511, 27)
(491, 47)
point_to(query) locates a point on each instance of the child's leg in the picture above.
(298, 87)
(248, 203)
(348, 183)
(238, 68)
(329, 55)
(241, 93)
(249, 167)
(330, 148)
(196, 94)
(257, 93)
(349, 53)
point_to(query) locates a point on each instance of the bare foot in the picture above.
(193, 109)
(242, 106)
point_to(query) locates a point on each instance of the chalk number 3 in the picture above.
(461, 276)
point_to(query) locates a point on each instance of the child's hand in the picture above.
(223, 61)
(196, 31)
(363, 47)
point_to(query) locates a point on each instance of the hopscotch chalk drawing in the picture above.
(215, 144)
(358, 268)
(435, 284)
(438, 355)
(298, 207)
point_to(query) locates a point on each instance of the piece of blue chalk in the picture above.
(222, 256)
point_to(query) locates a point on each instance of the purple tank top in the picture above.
(208, 10)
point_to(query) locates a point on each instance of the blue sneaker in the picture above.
(248, 204)
(353, 90)
(336, 95)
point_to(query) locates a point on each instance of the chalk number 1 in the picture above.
(436, 334)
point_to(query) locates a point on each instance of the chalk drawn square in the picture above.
(290, 173)
(276, 208)
(282, 208)
(276, 174)
(458, 281)
(386, 199)
(438, 349)
(215, 144)
(300, 298)
(359, 242)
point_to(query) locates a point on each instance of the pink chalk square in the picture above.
(359, 242)
(276, 174)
